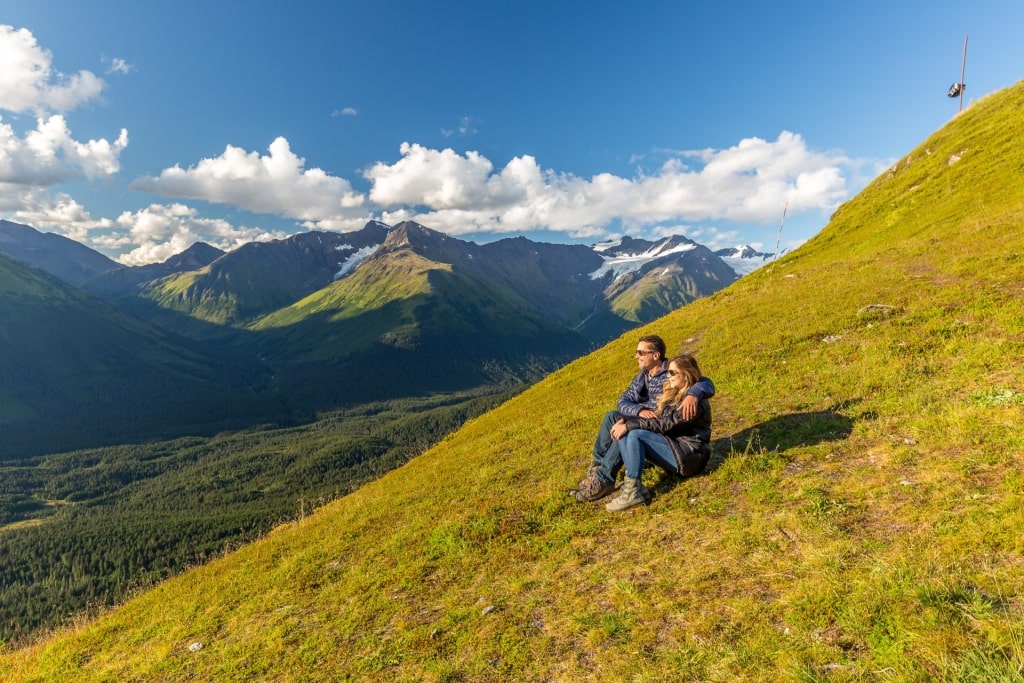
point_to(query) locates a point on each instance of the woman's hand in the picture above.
(618, 430)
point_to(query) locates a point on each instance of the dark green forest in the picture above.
(81, 530)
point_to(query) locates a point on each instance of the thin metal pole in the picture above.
(963, 67)
(778, 240)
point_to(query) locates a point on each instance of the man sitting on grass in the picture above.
(638, 400)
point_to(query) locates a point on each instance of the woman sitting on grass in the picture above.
(676, 445)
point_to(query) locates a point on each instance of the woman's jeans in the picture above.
(639, 444)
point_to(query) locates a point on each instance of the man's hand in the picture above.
(689, 407)
(647, 412)
(618, 430)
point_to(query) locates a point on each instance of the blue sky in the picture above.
(139, 128)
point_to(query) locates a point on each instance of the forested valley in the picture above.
(81, 530)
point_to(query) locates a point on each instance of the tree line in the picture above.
(85, 528)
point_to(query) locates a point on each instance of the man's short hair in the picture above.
(657, 342)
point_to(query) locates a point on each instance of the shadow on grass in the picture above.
(778, 434)
(783, 432)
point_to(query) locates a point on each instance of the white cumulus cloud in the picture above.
(277, 183)
(28, 81)
(706, 194)
(428, 177)
(49, 154)
(160, 231)
(749, 182)
(60, 214)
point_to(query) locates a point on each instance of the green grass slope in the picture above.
(350, 314)
(860, 520)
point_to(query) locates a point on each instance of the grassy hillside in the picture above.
(374, 301)
(860, 520)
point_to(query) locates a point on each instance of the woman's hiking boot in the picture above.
(632, 493)
(592, 490)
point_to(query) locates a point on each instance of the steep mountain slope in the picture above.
(411, 315)
(84, 529)
(261, 277)
(861, 517)
(555, 279)
(122, 282)
(745, 259)
(674, 272)
(73, 370)
(66, 259)
(122, 288)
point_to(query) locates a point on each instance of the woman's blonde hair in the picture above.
(687, 365)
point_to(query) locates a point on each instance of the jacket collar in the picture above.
(660, 371)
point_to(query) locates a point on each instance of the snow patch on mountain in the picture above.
(744, 259)
(605, 246)
(355, 259)
(621, 264)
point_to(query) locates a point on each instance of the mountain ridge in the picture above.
(236, 288)
(65, 258)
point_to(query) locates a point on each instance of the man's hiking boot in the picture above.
(591, 475)
(632, 493)
(593, 490)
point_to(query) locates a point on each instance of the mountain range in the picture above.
(318, 320)
(258, 278)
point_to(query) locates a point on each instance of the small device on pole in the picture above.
(957, 89)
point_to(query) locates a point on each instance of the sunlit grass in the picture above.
(860, 519)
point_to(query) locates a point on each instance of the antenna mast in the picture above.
(963, 67)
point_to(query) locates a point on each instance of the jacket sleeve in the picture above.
(663, 424)
(632, 401)
(705, 388)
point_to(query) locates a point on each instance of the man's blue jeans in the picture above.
(606, 449)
